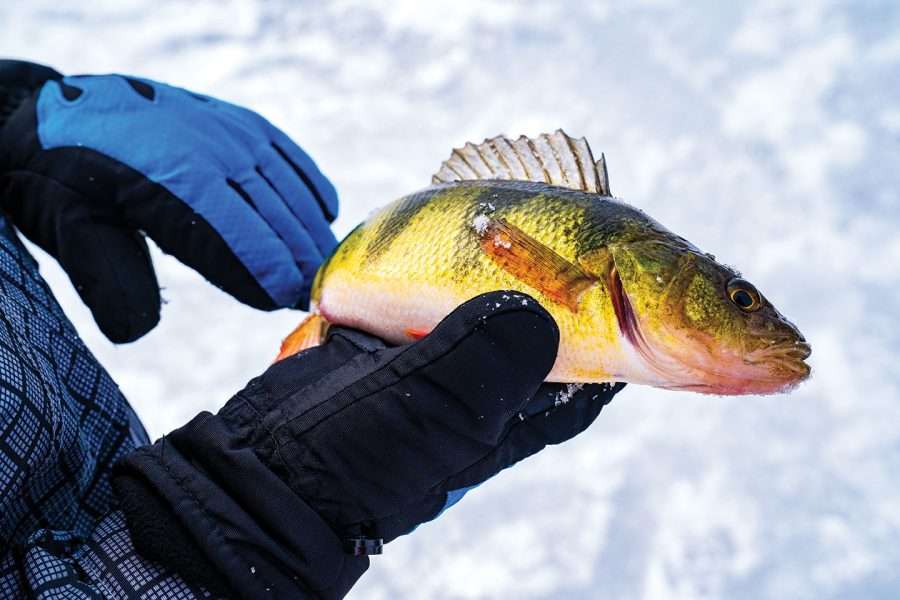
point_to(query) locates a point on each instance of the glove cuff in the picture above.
(220, 502)
(157, 533)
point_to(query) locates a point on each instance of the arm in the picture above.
(327, 455)
(63, 423)
(88, 166)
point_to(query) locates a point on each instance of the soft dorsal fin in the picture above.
(554, 158)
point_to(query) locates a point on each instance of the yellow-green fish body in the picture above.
(633, 301)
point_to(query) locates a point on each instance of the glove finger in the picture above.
(223, 238)
(307, 171)
(257, 191)
(459, 387)
(560, 411)
(299, 199)
(556, 413)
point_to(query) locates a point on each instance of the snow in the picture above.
(763, 132)
(480, 223)
(565, 394)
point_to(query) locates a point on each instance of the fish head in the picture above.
(698, 325)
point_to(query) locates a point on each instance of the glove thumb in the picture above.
(109, 264)
(110, 267)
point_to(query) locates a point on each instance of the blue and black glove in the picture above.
(89, 164)
(341, 448)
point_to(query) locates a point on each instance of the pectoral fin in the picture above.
(308, 334)
(533, 262)
(415, 333)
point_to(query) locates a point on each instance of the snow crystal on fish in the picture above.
(480, 223)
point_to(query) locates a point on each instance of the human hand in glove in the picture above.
(89, 163)
(346, 446)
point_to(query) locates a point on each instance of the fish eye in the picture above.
(744, 295)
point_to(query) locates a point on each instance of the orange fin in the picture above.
(308, 334)
(415, 332)
(532, 262)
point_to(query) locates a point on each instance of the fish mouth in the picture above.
(792, 350)
(788, 359)
(776, 369)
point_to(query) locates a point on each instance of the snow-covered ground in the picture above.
(766, 134)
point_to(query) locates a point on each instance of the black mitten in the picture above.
(341, 448)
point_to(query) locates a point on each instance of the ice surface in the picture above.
(764, 132)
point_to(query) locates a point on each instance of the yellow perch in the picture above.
(634, 302)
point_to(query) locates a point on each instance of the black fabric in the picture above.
(18, 81)
(159, 536)
(357, 439)
(142, 88)
(262, 538)
(70, 92)
(86, 210)
(109, 264)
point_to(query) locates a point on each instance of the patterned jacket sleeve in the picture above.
(63, 423)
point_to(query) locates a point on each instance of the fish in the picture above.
(634, 302)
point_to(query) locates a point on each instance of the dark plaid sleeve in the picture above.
(63, 423)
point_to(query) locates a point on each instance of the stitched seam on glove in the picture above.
(277, 455)
(294, 442)
(424, 361)
(276, 446)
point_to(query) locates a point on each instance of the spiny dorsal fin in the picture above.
(554, 158)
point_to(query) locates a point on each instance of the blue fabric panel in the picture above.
(227, 141)
(455, 496)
